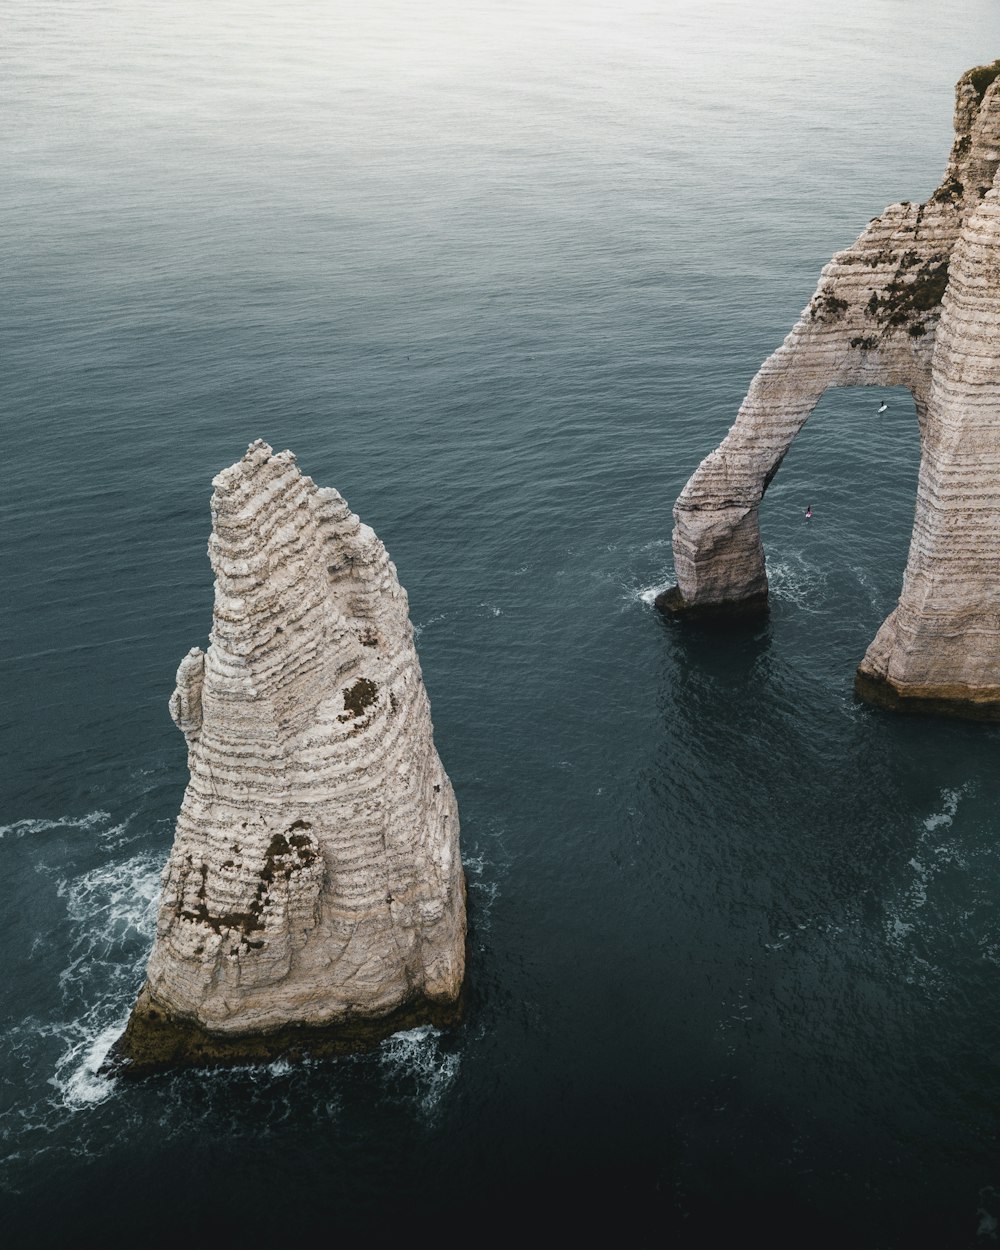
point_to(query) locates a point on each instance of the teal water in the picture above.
(501, 273)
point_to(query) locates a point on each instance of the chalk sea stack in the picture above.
(314, 898)
(914, 302)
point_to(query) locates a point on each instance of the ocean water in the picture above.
(501, 273)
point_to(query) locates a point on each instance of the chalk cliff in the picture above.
(914, 302)
(314, 898)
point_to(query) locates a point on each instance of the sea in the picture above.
(500, 271)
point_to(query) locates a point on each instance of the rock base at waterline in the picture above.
(673, 604)
(157, 1041)
(961, 702)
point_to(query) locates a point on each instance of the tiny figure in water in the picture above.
(809, 512)
(881, 408)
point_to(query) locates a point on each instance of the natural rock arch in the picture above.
(914, 302)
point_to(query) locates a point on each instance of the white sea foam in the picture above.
(945, 817)
(635, 588)
(111, 900)
(988, 1223)
(489, 892)
(474, 864)
(791, 577)
(934, 852)
(415, 1058)
(112, 911)
(431, 620)
(881, 601)
(648, 594)
(485, 862)
(487, 888)
(23, 828)
(795, 579)
(77, 1077)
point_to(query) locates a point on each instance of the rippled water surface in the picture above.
(500, 272)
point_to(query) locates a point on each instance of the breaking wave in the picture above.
(419, 1066)
(648, 594)
(113, 911)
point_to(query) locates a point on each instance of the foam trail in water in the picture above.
(486, 861)
(794, 579)
(415, 1057)
(78, 1078)
(21, 828)
(650, 558)
(108, 926)
(880, 599)
(111, 900)
(114, 909)
(934, 853)
(649, 594)
(432, 620)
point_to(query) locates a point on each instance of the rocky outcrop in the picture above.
(314, 898)
(914, 302)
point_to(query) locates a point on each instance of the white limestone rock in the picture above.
(914, 302)
(314, 897)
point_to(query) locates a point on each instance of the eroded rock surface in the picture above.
(314, 898)
(914, 302)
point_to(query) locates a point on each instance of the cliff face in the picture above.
(914, 302)
(314, 897)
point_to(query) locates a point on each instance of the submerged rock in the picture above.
(914, 302)
(314, 898)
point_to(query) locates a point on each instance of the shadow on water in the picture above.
(725, 649)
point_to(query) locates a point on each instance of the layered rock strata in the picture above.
(314, 898)
(914, 302)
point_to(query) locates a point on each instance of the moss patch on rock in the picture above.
(284, 856)
(982, 77)
(916, 290)
(358, 697)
